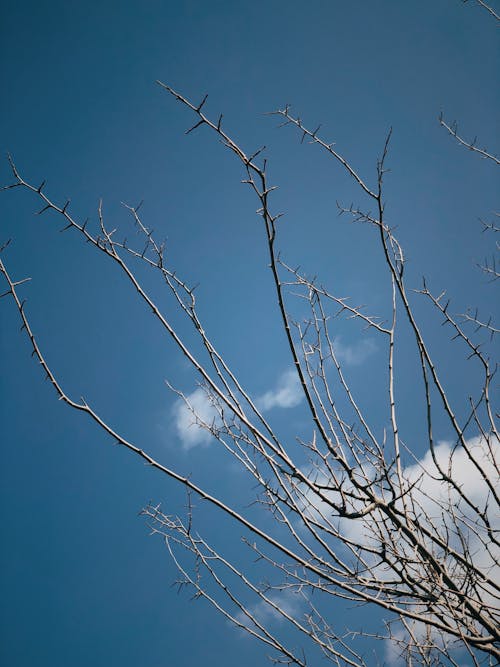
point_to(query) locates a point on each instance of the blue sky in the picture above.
(82, 583)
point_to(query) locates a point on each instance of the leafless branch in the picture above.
(488, 8)
(471, 145)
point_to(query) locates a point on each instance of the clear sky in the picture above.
(81, 582)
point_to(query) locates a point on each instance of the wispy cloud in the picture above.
(354, 354)
(281, 604)
(192, 416)
(286, 394)
(195, 414)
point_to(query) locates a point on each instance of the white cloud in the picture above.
(195, 414)
(439, 506)
(434, 495)
(288, 602)
(435, 499)
(460, 468)
(393, 656)
(190, 415)
(399, 651)
(287, 393)
(353, 354)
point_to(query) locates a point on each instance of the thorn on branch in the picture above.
(10, 187)
(20, 282)
(13, 167)
(44, 209)
(268, 190)
(257, 152)
(200, 122)
(2, 248)
(200, 106)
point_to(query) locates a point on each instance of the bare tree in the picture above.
(366, 519)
